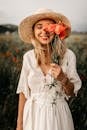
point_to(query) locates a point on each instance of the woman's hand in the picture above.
(55, 70)
(57, 73)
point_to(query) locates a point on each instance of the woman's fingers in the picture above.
(55, 70)
(55, 67)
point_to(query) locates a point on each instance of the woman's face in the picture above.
(40, 32)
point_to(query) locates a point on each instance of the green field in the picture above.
(11, 54)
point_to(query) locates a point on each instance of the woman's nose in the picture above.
(45, 29)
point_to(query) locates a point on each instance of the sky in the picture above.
(13, 11)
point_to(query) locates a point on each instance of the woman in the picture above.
(48, 76)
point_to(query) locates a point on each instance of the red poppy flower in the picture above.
(59, 29)
(50, 27)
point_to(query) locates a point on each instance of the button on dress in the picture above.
(46, 107)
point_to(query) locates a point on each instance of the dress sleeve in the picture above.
(23, 80)
(72, 72)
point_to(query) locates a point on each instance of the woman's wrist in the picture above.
(19, 127)
(19, 121)
(61, 76)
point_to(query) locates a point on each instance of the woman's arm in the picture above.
(70, 80)
(22, 101)
(68, 86)
(58, 74)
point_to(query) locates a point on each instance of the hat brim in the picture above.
(26, 26)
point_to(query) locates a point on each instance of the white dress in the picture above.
(44, 109)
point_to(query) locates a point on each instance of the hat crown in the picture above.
(43, 10)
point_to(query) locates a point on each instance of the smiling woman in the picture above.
(45, 85)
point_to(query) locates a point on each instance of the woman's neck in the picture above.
(46, 54)
(43, 54)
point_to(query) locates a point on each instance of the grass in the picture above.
(11, 54)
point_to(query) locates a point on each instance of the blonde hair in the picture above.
(56, 46)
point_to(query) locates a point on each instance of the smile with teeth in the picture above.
(44, 37)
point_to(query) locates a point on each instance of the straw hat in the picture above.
(25, 28)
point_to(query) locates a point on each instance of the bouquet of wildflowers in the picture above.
(60, 30)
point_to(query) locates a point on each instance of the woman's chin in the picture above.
(44, 42)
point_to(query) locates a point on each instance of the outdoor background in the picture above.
(12, 50)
